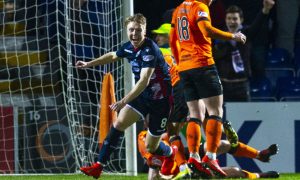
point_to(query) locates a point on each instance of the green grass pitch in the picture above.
(104, 177)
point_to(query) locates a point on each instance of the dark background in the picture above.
(153, 10)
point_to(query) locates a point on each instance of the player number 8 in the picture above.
(163, 122)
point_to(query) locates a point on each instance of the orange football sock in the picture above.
(179, 157)
(193, 136)
(244, 150)
(213, 132)
(204, 124)
(249, 175)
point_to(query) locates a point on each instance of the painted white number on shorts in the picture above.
(163, 123)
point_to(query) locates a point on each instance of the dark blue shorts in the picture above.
(179, 111)
(158, 110)
(201, 83)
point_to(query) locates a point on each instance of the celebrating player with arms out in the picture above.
(149, 96)
(191, 26)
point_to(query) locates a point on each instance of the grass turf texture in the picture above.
(105, 177)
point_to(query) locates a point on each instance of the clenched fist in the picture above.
(81, 64)
(239, 37)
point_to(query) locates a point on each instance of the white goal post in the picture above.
(54, 107)
(131, 143)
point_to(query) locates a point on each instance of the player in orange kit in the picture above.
(191, 27)
(179, 111)
(155, 162)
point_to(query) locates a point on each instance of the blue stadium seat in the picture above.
(274, 74)
(278, 57)
(288, 88)
(261, 89)
(279, 64)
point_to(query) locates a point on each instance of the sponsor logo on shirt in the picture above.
(138, 53)
(202, 14)
(126, 50)
(148, 58)
(187, 3)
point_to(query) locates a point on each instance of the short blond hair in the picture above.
(138, 18)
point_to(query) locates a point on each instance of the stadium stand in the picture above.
(288, 88)
(279, 64)
(23, 59)
(24, 65)
(18, 29)
(261, 90)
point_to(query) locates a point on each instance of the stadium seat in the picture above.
(274, 74)
(22, 58)
(12, 29)
(288, 88)
(278, 57)
(261, 90)
(23, 43)
(279, 64)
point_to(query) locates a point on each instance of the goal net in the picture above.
(49, 110)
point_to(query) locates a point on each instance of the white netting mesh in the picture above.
(49, 110)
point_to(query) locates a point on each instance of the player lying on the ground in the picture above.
(238, 149)
(154, 162)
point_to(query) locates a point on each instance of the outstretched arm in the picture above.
(267, 6)
(209, 31)
(104, 59)
(260, 20)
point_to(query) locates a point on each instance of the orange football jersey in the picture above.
(195, 46)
